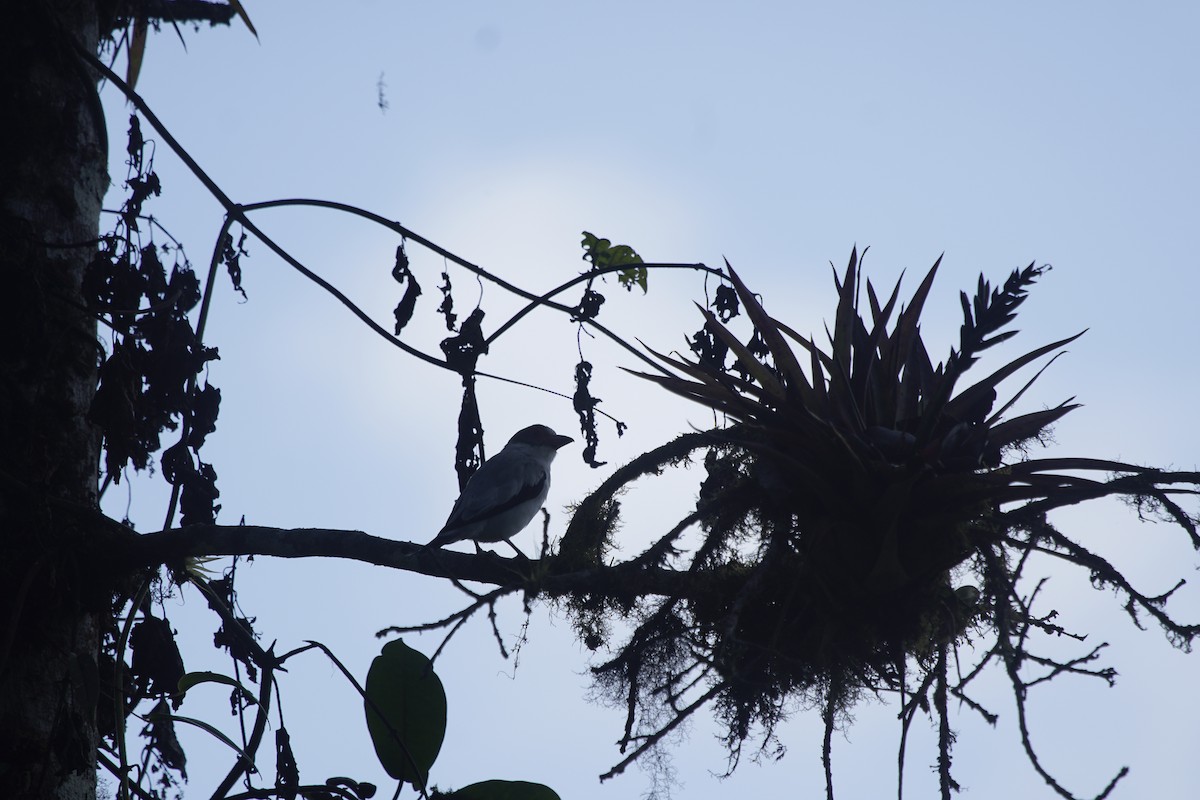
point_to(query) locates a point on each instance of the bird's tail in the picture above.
(443, 538)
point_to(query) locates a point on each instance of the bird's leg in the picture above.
(479, 551)
(516, 550)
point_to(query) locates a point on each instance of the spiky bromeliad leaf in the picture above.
(782, 355)
(993, 309)
(987, 387)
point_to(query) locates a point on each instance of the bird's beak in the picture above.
(559, 440)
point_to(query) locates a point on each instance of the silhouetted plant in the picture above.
(861, 516)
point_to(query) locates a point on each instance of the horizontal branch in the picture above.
(188, 11)
(171, 547)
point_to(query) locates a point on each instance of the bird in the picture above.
(505, 493)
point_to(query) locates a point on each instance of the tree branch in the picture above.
(188, 11)
(129, 550)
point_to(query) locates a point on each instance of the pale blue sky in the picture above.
(771, 134)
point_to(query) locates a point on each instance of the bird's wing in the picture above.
(500, 485)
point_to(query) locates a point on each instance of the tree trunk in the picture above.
(53, 175)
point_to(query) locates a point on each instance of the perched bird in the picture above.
(506, 492)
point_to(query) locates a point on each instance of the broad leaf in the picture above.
(402, 686)
(504, 790)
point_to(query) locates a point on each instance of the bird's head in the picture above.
(540, 436)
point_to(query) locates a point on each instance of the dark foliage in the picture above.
(468, 447)
(464, 350)
(589, 306)
(585, 406)
(861, 517)
(157, 665)
(231, 257)
(446, 309)
(236, 634)
(287, 773)
(147, 380)
(161, 740)
(408, 303)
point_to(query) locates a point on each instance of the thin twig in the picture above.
(658, 735)
(118, 688)
(827, 717)
(946, 783)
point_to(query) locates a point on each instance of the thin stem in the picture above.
(535, 300)
(260, 726)
(584, 278)
(118, 688)
(827, 746)
(945, 736)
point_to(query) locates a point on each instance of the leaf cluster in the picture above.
(148, 379)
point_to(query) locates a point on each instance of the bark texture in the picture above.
(53, 175)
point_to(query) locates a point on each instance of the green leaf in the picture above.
(402, 686)
(504, 790)
(633, 275)
(605, 255)
(191, 679)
